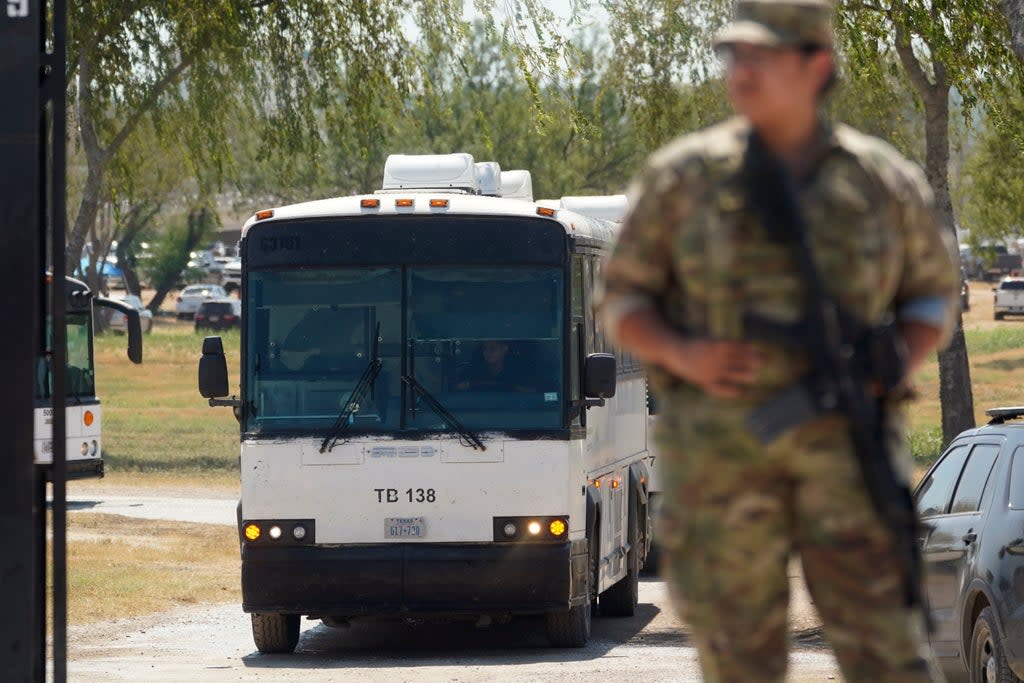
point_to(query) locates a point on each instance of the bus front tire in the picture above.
(572, 628)
(275, 633)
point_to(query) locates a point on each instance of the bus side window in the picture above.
(588, 307)
(577, 286)
(575, 371)
(600, 343)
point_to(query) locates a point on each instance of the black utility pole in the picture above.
(22, 228)
(32, 223)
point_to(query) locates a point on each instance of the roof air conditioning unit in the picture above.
(488, 176)
(517, 185)
(431, 172)
(605, 207)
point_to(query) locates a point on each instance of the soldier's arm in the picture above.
(927, 295)
(640, 270)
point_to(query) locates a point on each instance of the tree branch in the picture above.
(127, 8)
(149, 101)
(915, 72)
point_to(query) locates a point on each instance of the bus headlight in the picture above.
(94, 448)
(531, 529)
(279, 531)
(85, 448)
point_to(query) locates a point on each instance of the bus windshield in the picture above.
(81, 376)
(483, 341)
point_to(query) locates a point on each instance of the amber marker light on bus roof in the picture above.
(252, 532)
(439, 203)
(403, 203)
(545, 211)
(597, 483)
(88, 418)
(370, 203)
(265, 213)
(615, 483)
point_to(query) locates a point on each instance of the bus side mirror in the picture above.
(599, 376)
(134, 326)
(213, 369)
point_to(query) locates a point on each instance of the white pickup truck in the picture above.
(1009, 298)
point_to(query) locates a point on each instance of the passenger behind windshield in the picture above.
(499, 366)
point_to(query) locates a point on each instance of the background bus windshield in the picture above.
(485, 342)
(81, 377)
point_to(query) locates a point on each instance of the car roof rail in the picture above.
(1001, 415)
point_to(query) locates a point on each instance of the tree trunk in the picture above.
(1015, 17)
(199, 221)
(955, 393)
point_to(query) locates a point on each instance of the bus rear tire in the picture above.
(621, 599)
(572, 628)
(275, 633)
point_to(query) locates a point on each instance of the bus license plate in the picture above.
(214, 318)
(405, 527)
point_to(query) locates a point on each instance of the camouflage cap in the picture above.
(778, 23)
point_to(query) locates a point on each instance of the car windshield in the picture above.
(1012, 284)
(81, 382)
(484, 342)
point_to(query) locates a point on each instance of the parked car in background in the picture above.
(965, 291)
(1009, 298)
(971, 505)
(231, 276)
(194, 295)
(118, 321)
(219, 314)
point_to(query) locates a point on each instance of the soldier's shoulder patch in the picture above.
(901, 176)
(724, 140)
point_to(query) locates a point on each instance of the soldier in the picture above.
(700, 289)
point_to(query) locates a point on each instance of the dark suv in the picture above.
(971, 504)
(219, 314)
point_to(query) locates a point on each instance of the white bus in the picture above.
(84, 449)
(432, 423)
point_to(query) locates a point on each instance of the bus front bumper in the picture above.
(413, 578)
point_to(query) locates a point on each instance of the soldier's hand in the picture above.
(721, 368)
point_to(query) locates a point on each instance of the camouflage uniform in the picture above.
(735, 509)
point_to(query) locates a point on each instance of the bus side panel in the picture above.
(616, 438)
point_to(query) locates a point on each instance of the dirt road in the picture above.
(214, 642)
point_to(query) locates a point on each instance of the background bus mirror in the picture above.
(599, 376)
(133, 324)
(213, 369)
(134, 327)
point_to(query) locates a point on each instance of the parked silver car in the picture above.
(193, 295)
(119, 322)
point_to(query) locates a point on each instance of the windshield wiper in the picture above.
(366, 382)
(442, 412)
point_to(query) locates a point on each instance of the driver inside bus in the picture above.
(497, 367)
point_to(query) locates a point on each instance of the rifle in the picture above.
(851, 357)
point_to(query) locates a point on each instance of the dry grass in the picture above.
(996, 352)
(122, 567)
